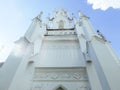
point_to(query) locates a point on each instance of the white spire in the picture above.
(38, 17)
(74, 18)
(81, 14)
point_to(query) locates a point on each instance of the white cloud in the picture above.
(104, 4)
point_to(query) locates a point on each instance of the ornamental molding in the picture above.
(95, 37)
(61, 75)
(61, 47)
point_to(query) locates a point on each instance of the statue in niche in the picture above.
(61, 24)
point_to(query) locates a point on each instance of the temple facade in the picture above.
(62, 54)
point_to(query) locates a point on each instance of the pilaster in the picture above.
(81, 37)
(10, 67)
(108, 62)
(88, 30)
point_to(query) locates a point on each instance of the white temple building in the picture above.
(62, 54)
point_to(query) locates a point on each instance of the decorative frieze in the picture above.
(60, 75)
(61, 32)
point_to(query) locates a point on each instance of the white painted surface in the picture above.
(108, 63)
(58, 51)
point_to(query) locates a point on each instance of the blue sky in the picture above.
(16, 16)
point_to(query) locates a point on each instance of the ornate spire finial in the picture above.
(39, 16)
(81, 14)
(74, 18)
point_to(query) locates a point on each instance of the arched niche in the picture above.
(61, 24)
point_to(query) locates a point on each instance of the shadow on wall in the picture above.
(1, 64)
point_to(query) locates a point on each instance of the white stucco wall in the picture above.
(60, 53)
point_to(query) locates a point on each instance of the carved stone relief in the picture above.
(61, 75)
(50, 78)
(61, 32)
(83, 87)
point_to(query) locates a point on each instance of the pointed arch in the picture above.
(60, 87)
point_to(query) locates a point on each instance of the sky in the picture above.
(16, 16)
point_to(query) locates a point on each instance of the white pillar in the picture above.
(108, 62)
(81, 37)
(86, 25)
(8, 70)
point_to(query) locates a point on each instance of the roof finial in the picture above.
(39, 16)
(74, 18)
(81, 14)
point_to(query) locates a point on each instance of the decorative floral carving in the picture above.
(54, 76)
(60, 75)
(83, 87)
(77, 75)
